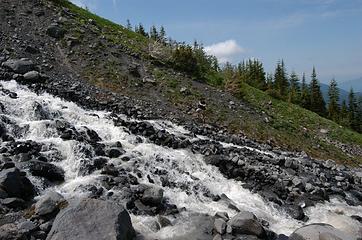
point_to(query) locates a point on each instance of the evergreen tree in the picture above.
(252, 72)
(129, 26)
(281, 79)
(153, 33)
(333, 105)
(353, 111)
(162, 35)
(305, 94)
(141, 30)
(294, 89)
(343, 116)
(317, 103)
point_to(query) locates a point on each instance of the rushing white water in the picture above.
(183, 168)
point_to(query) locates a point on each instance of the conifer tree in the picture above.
(353, 111)
(280, 79)
(294, 90)
(333, 105)
(129, 26)
(305, 94)
(317, 103)
(162, 35)
(343, 116)
(153, 33)
(141, 30)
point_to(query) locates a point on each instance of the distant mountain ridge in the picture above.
(356, 84)
(343, 94)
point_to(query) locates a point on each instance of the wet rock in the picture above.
(246, 223)
(163, 221)
(15, 203)
(15, 184)
(152, 196)
(114, 152)
(27, 226)
(110, 170)
(99, 162)
(46, 170)
(21, 66)
(222, 215)
(220, 226)
(50, 203)
(295, 212)
(320, 232)
(92, 219)
(31, 76)
(55, 31)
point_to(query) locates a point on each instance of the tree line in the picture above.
(193, 60)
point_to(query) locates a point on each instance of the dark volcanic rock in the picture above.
(15, 184)
(46, 170)
(92, 219)
(152, 196)
(246, 223)
(55, 31)
(21, 66)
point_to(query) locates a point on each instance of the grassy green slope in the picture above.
(287, 125)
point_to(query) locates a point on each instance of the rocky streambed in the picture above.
(76, 168)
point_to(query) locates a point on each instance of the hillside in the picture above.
(110, 57)
(102, 138)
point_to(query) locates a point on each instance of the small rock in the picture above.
(55, 31)
(220, 226)
(31, 76)
(49, 203)
(27, 226)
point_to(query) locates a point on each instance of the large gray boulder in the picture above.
(21, 66)
(49, 203)
(320, 232)
(92, 219)
(246, 223)
(15, 184)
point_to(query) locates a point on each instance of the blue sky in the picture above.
(324, 33)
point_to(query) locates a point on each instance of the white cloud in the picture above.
(224, 51)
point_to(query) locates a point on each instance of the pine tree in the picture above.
(153, 33)
(305, 94)
(280, 79)
(353, 111)
(317, 103)
(162, 35)
(141, 30)
(333, 105)
(294, 89)
(129, 26)
(252, 72)
(343, 116)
